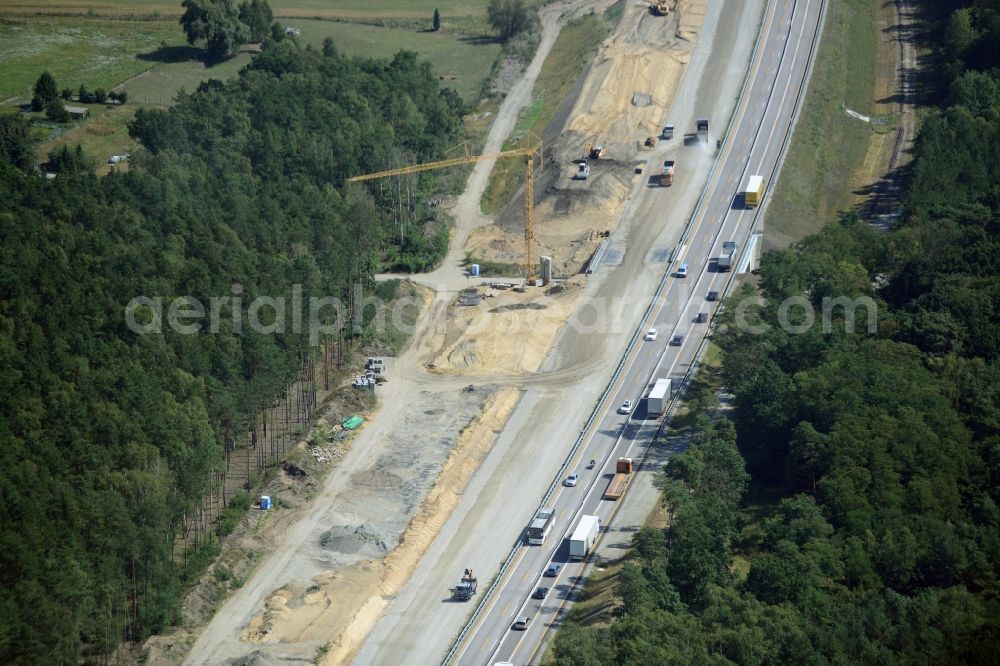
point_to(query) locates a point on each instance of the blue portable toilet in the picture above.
(265, 502)
(474, 269)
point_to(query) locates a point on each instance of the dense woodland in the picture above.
(106, 436)
(849, 512)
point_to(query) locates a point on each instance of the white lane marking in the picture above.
(660, 360)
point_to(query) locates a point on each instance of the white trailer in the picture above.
(726, 258)
(659, 396)
(584, 537)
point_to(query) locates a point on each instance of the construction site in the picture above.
(335, 565)
(621, 103)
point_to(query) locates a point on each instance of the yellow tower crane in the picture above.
(528, 151)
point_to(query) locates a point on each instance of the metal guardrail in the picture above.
(562, 470)
(671, 407)
(758, 216)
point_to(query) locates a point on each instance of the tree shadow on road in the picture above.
(173, 54)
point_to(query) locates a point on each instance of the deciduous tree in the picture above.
(507, 17)
(257, 16)
(218, 23)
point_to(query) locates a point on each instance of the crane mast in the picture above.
(528, 152)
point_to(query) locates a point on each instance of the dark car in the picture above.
(712, 296)
(552, 571)
(540, 593)
(677, 340)
(701, 318)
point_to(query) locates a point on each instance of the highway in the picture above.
(763, 120)
(422, 624)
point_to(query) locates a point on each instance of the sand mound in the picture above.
(507, 333)
(634, 77)
(376, 478)
(353, 539)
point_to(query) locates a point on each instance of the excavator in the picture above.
(592, 152)
(660, 8)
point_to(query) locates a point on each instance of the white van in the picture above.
(682, 271)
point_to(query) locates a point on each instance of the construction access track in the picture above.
(484, 519)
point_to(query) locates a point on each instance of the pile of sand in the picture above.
(508, 333)
(634, 77)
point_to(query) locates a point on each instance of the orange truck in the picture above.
(623, 475)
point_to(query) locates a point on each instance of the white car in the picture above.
(626, 407)
(571, 480)
(651, 334)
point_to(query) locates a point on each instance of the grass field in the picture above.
(306, 8)
(106, 131)
(461, 61)
(103, 135)
(150, 60)
(576, 44)
(828, 145)
(159, 85)
(97, 54)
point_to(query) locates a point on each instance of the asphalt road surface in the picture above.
(764, 119)
(502, 497)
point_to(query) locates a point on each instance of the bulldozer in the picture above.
(659, 8)
(592, 152)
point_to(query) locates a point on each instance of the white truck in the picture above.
(659, 396)
(726, 258)
(584, 537)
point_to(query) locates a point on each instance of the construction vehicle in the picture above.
(584, 537)
(659, 8)
(726, 258)
(623, 475)
(668, 132)
(466, 587)
(701, 127)
(650, 141)
(667, 173)
(659, 397)
(754, 191)
(529, 152)
(582, 172)
(592, 152)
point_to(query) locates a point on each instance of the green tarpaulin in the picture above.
(352, 423)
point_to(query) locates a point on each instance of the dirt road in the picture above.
(501, 497)
(395, 452)
(467, 213)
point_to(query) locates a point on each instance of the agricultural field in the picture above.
(139, 47)
(344, 9)
(159, 85)
(461, 61)
(98, 54)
